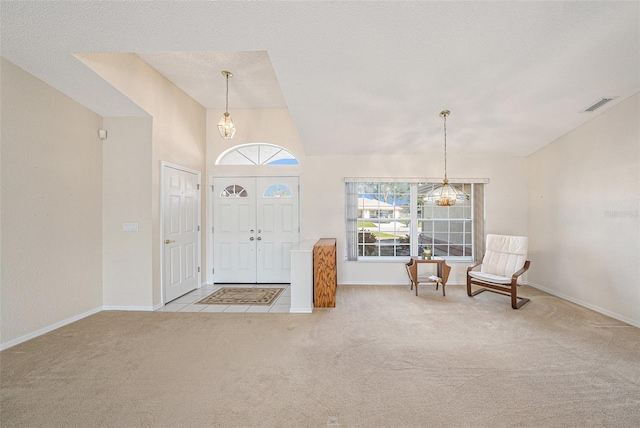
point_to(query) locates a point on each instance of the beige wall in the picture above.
(177, 135)
(51, 250)
(584, 214)
(126, 198)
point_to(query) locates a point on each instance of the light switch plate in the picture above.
(130, 227)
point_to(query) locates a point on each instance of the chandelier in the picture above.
(225, 126)
(446, 195)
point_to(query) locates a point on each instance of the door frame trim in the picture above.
(163, 166)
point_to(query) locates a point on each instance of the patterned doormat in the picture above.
(242, 296)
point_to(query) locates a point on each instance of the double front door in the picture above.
(255, 225)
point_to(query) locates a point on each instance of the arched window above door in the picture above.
(257, 154)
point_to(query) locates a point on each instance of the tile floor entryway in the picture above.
(187, 303)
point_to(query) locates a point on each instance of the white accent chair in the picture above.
(505, 259)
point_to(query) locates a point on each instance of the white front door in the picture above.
(255, 226)
(181, 208)
(277, 232)
(234, 230)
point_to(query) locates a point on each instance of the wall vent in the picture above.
(598, 104)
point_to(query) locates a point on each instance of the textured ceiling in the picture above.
(357, 77)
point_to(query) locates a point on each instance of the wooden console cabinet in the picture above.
(325, 275)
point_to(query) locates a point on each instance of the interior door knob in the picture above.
(252, 238)
(169, 241)
(259, 238)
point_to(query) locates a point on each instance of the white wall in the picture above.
(51, 250)
(126, 198)
(584, 214)
(177, 135)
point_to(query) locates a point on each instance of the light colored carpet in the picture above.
(382, 358)
(242, 296)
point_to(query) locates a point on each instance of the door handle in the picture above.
(259, 238)
(169, 241)
(251, 239)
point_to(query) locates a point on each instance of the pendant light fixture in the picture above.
(446, 195)
(225, 126)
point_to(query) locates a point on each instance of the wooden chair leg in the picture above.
(516, 302)
(471, 293)
(478, 291)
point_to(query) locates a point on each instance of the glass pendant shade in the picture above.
(446, 195)
(225, 126)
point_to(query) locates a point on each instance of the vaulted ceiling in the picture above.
(357, 77)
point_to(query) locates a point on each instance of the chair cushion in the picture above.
(487, 277)
(504, 255)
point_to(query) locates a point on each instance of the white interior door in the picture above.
(255, 224)
(181, 208)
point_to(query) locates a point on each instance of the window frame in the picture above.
(475, 220)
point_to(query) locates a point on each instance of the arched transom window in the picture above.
(257, 154)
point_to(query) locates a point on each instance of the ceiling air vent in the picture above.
(598, 104)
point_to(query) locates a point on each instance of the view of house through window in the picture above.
(447, 229)
(393, 219)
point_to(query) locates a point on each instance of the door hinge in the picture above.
(198, 268)
(198, 187)
(211, 229)
(212, 188)
(213, 270)
(198, 228)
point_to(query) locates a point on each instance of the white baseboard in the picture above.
(391, 283)
(47, 329)
(371, 283)
(128, 308)
(587, 305)
(300, 310)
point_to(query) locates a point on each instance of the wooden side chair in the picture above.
(505, 259)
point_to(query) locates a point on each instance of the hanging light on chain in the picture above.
(446, 195)
(225, 126)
